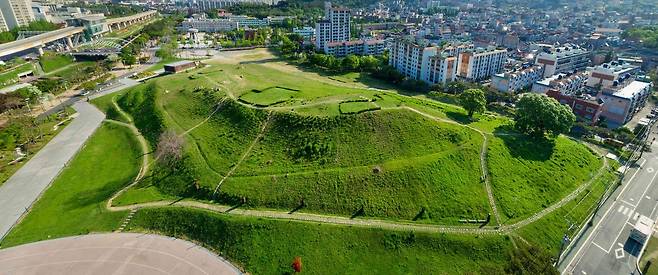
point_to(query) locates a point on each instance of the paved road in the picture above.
(27, 184)
(114, 253)
(606, 248)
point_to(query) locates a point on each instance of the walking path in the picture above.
(483, 159)
(21, 190)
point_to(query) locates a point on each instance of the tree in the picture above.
(455, 87)
(537, 115)
(473, 100)
(351, 63)
(169, 151)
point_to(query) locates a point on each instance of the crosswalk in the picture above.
(628, 212)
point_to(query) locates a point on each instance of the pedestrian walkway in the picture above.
(21, 190)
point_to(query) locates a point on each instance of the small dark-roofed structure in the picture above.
(179, 66)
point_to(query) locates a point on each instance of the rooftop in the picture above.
(631, 89)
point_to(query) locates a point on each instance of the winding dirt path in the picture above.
(246, 153)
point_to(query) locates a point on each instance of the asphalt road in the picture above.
(114, 253)
(24, 187)
(606, 247)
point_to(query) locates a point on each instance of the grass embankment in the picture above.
(106, 105)
(547, 232)
(269, 246)
(10, 77)
(528, 175)
(650, 257)
(51, 61)
(75, 203)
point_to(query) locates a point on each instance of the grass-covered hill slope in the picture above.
(528, 175)
(392, 162)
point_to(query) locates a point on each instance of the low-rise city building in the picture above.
(606, 74)
(517, 79)
(586, 107)
(623, 100)
(566, 83)
(563, 59)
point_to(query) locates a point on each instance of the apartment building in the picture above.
(566, 83)
(624, 99)
(334, 28)
(3, 23)
(417, 59)
(412, 58)
(481, 63)
(563, 59)
(208, 25)
(15, 13)
(356, 47)
(218, 4)
(517, 79)
(606, 74)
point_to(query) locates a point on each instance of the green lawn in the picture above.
(75, 203)
(51, 61)
(268, 97)
(269, 246)
(528, 175)
(357, 107)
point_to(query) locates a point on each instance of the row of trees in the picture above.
(648, 35)
(38, 25)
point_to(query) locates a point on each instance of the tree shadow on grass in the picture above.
(94, 196)
(525, 147)
(460, 117)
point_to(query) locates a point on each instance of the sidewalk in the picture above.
(21, 190)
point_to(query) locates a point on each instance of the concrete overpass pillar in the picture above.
(40, 50)
(69, 42)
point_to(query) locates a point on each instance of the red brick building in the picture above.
(585, 107)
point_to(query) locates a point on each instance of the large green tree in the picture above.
(473, 100)
(537, 115)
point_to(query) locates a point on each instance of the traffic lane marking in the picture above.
(597, 226)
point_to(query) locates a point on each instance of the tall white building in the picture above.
(420, 61)
(3, 23)
(563, 59)
(334, 28)
(481, 63)
(15, 13)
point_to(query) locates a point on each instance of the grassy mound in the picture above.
(269, 246)
(528, 175)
